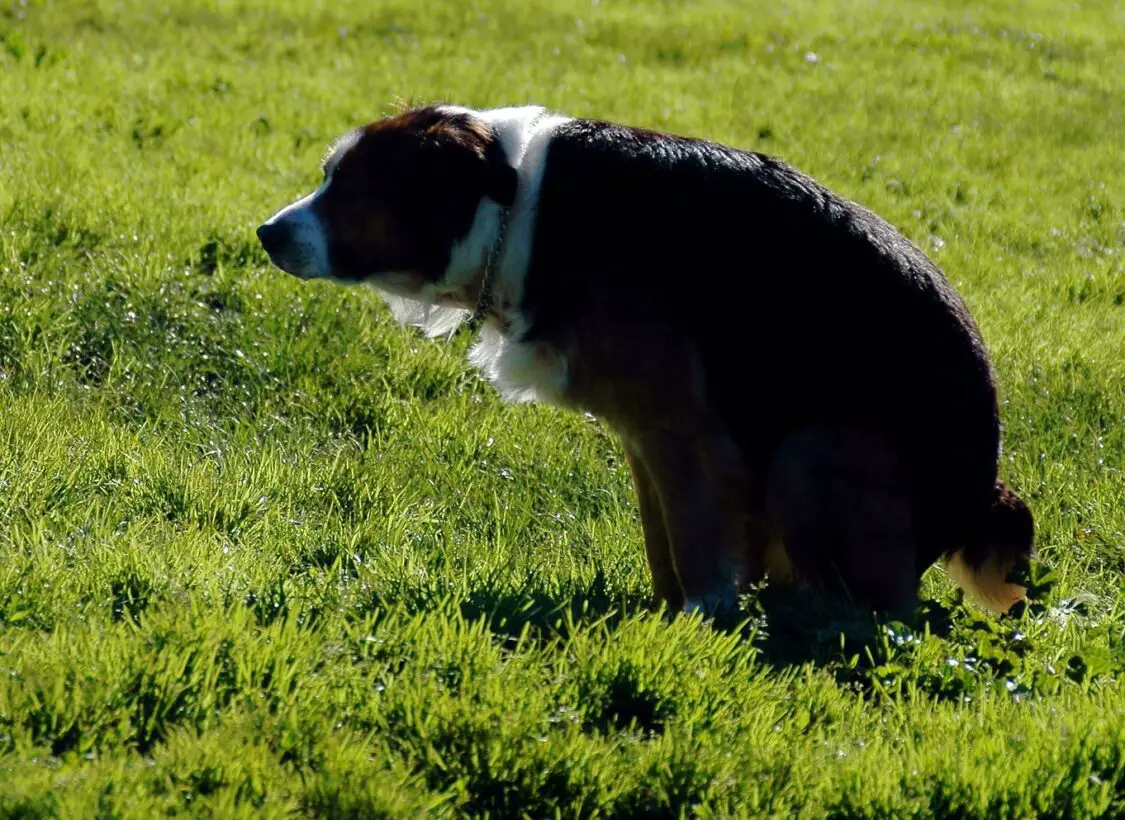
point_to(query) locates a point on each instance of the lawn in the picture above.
(264, 552)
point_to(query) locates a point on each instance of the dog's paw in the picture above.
(713, 603)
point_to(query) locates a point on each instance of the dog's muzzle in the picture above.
(295, 242)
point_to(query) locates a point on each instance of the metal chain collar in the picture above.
(488, 281)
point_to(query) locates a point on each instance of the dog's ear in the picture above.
(490, 174)
(468, 151)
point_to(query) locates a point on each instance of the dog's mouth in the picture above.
(295, 267)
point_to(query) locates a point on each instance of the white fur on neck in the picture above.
(521, 371)
(524, 133)
(514, 128)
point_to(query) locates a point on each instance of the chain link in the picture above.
(488, 281)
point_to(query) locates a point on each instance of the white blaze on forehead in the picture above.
(337, 150)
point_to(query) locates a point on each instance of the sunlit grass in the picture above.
(264, 552)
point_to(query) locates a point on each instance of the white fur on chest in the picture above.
(521, 371)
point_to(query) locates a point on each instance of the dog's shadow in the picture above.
(528, 614)
(784, 626)
(791, 627)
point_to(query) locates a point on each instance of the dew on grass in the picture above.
(901, 637)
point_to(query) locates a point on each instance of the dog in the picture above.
(799, 391)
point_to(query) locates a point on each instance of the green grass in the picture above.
(263, 552)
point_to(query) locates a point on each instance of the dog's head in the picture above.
(397, 196)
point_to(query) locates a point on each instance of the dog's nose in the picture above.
(271, 234)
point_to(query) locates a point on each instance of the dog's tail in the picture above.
(1000, 539)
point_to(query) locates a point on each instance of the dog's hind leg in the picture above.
(846, 512)
(665, 584)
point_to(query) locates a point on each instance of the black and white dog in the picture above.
(798, 389)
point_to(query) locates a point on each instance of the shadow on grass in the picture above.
(523, 611)
(535, 614)
(783, 626)
(876, 654)
(795, 626)
(943, 653)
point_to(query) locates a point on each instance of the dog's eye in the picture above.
(349, 186)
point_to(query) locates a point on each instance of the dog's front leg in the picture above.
(657, 547)
(702, 528)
